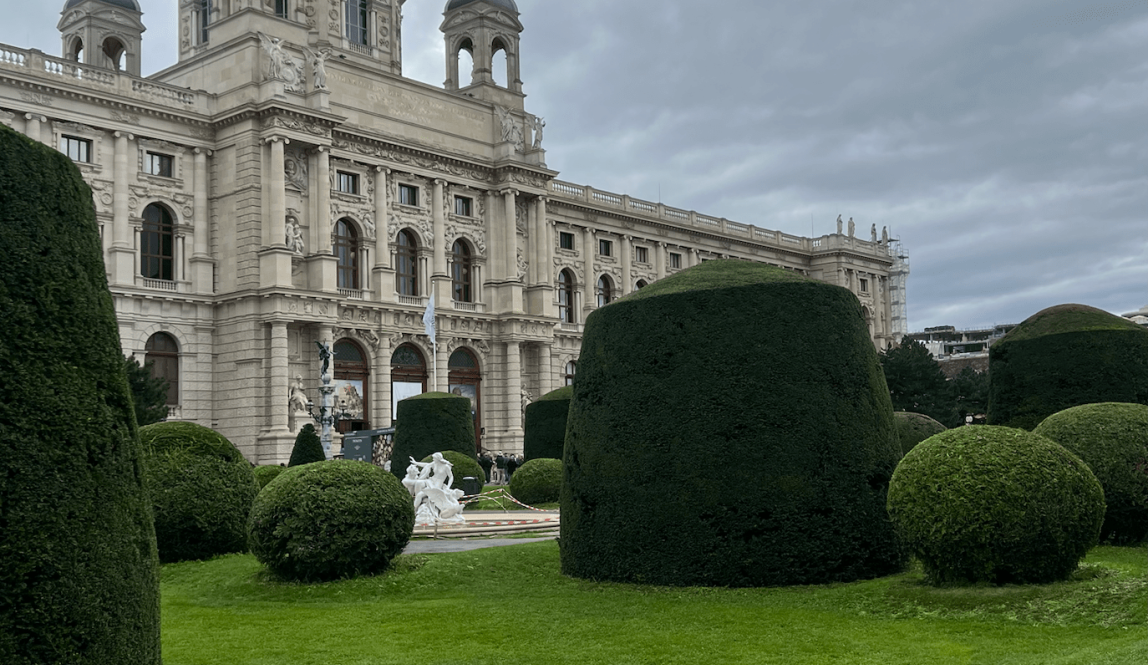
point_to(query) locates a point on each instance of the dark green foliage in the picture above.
(1062, 357)
(330, 520)
(970, 392)
(995, 504)
(149, 393)
(461, 466)
(913, 428)
(730, 426)
(265, 474)
(308, 447)
(201, 490)
(916, 382)
(537, 481)
(545, 425)
(78, 570)
(431, 423)
(1112, 439)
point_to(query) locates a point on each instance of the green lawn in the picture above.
(510, 605)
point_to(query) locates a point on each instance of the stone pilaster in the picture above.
(123, 252)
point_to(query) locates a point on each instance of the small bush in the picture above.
(913, 428)
(265, 474)
(330, 520)
(201, 489)
(431, 423)
(462, 466)
(308, 448)
(544, 428)
(537, 481)
(995, 504)
(1112, 439)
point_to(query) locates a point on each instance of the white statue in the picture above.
(539, 123)
(511, 131)
(527, 398)
(273, 46)
(838, 224)
(297, 401)
(852, 227)
(885, 235)
(295, 236)
(429, 483)
(318, 62)
(873, 233)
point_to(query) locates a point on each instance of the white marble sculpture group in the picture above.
(429, 483)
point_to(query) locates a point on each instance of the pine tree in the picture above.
(916, 382)
(308, 448)
(149, 393)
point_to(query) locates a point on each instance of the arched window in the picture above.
(157, 243)
(499, 65)
(407, 264)
(571, 368)
(605, 291)
(163, 354)
(347, 253)
(356, 21)
(465, 379)
(642, 284)
(566, 297)
(465, 63)
(114, 51)
(460, 272)
(351, 385)
(408, 376)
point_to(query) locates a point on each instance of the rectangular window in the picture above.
(204, 19)
(409, 195)
(463, 206)
(641, 255)
(605, 247)
(565, 240)
(158, 164)
(348, 182)
(281, 8)
(675, 260)
(864, 286)
(77, 149)
(357, 21)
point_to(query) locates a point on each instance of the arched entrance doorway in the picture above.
(465, 379)
(408, 376)
(351, 385)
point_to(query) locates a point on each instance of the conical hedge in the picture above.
(78, 569)
(308, 447)
(431, 423)
(544, 429)
(730, 426)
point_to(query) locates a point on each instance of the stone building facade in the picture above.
(283, 184)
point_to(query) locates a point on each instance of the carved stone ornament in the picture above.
(511, 130)
(400, 222)
(398, 157)
(298, 125)
(282, 66)
(295, 170)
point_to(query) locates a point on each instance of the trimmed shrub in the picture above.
(913, 428)
(431, 423)
(730, 426)
(1112, 439)
(537, 481)
(308, 448)
(1063, 357)
(201, 490)
(78, 569)
(995, 504)
(265, 474)
(545, 425)
(462, 466)
(330, 520)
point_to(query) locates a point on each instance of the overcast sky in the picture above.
(1004, 143)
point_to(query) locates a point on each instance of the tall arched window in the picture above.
(465, 380)
(163, 354)
(641, 284)
(356, 21)
(347, 253)
(408, 376)
(571, 368)
(566, 297)
(157, 244)
(352, 386)
(461, 272)
(605, 291)
(407, 264)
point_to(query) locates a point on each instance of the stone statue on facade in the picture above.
(539, 124)
(852, 228)
(511, 131)
(297, 404)
(885, 235)
(430, 485)
(527, 398)
(873, 233)
(839, 222)
(281, 67)
(324, 359)
(295, 236)
(318, 62)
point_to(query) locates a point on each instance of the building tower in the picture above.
(484, 28)
(898, 298)
(103, 33)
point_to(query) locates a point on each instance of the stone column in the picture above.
(442, 371)
(545, 368)
(123, 240)
(514, 390)
(494, 246)
(273, 234)
(32, 123)
(323, 220)
(543, 246)
(441, 286)
(382, 238)
(383, 413)
(588, 249)
(660, 258)
(510, 233)
(627, 265)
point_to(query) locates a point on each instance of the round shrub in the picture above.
(308, 447)
(995, 504)
(1062, 357)
(431, 423)
(730, 426)
(78, 569)
(265, 474)
(330, 520)
(545, 425)
(1112, 439)
(461, 466)
(537, 481)
(913, 428)
(201, 490)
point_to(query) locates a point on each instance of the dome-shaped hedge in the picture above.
(1112, 439)
(995, 504)
(308, 447)
(78, 573)
(330, 520)
(431, 423)
(462, 466)
(201, 490)
(537, 481)
(544, 428)
(913, 428)
(730, 426)
(265, 474)
(1062, 357)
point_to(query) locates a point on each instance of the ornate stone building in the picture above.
(284, 184)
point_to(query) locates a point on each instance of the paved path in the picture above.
(456, 545)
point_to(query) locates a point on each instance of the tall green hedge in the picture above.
(308, 447)
(730, 426)
(431, 423)
(78, 569)
(1062, 357)
(545, 425)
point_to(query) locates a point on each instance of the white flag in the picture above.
(428, 318)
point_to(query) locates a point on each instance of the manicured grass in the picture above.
(510, 606)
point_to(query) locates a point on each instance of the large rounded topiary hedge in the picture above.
(201, 490)
(544, 427)
(78, 572)
(995, 504)
(731, 426)
(308, 447)
(330, 520)
(913, 428)
(265, 474)
(1112, 439)
(537, 481)
(431, 423)
(1062, 357)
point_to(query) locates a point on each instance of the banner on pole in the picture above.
(428, 319)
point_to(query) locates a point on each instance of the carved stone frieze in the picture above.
(283, 122)
(295, 170)
(419, 161)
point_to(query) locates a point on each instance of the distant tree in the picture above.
(970, 392)
(916, 382)
(149, 393)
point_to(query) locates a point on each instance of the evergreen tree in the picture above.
(149, 393)
(308, 448)
(916, 382)
(970, 390)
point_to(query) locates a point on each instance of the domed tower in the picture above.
(483, 28)
(103, 33)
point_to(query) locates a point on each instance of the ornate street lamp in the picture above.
(328, 414)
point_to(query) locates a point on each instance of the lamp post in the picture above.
(328, 414)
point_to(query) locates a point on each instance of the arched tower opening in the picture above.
(493, 31)
(103, 33)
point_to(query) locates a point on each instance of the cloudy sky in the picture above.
(1004, 143)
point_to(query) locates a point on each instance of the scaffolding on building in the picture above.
(898, 296)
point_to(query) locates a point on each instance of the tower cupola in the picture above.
(483, 28)
(103, 33)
